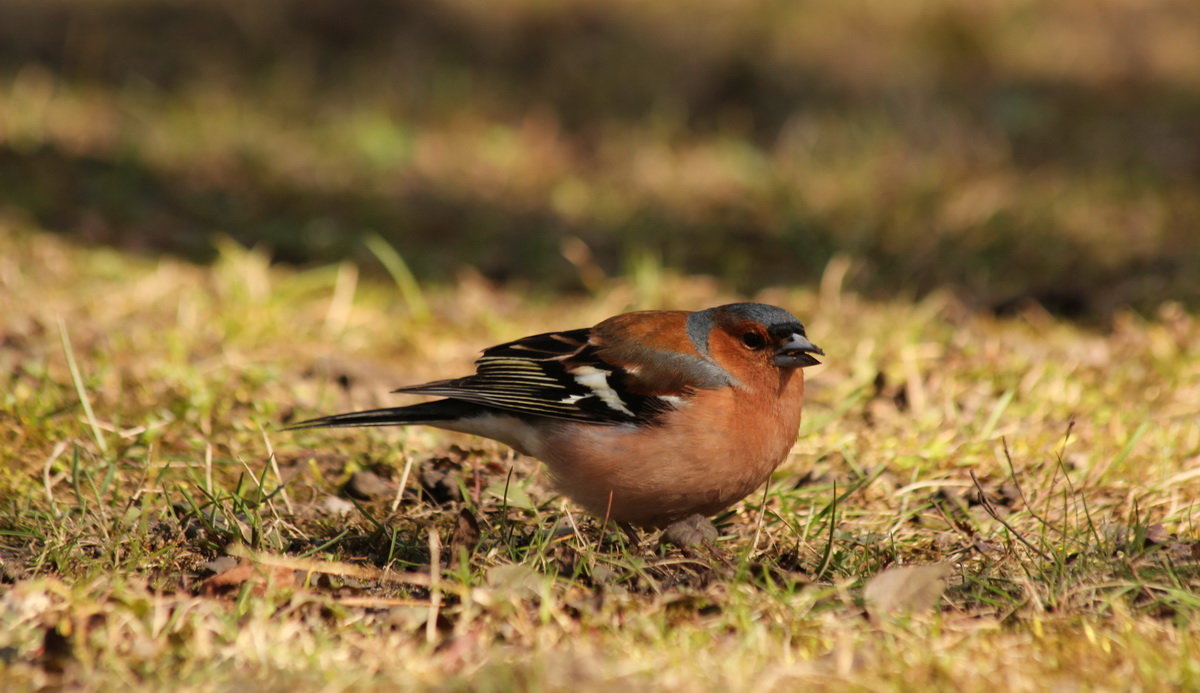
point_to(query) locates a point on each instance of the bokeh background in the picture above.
(1008, 150)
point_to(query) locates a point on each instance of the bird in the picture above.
(649, 418)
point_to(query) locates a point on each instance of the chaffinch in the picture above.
(647, 418)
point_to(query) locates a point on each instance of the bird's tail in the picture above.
(424, 413)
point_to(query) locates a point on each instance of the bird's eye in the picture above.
(753, 340)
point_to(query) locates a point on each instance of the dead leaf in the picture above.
(515, 579)
(229, 580)
(1157, 535)
(910, 589)
(466, 535)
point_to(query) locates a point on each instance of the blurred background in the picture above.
(1012, 151)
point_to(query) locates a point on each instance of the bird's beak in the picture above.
(796, 352)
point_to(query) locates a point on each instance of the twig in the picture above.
(408, 464)
(351, 570)
(987, 505)
(435, 585)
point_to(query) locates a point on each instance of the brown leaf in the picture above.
(245, 572)
(1157, 535)
(466, 534)
(227, 580)
(906, 589)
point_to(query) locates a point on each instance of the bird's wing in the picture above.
(570, 375)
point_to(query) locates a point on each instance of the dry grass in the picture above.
(936, 188)
(1086, 575)
(1006, 149)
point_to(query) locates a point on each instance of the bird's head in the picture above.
(756, 329)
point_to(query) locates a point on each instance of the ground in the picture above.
(219, 217)
(1051, 469)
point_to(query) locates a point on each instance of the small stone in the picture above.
(219, 565)
(369, 486)
(336, 506)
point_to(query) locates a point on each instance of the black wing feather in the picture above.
(556, 375)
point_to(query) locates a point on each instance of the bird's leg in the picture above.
(691, 532)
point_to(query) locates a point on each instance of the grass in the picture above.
(1022, 150)
(218, 218)
(1051, 465)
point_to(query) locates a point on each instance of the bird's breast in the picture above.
(698, 459)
